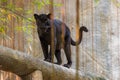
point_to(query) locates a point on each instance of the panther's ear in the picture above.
(49, 15)
(36, 16)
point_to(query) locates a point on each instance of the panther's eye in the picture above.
(45, 19)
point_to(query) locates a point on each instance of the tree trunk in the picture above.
(23, 65)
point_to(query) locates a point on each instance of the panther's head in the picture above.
(42, 20)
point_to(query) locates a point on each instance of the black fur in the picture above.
(43, 22)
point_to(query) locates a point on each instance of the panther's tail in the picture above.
(83, 28)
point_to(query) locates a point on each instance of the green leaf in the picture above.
(3, 11)
(19, 9)
(42, 3)
(31, 27)
(30, 19)
(4, 0)
(18, 28)
(47, 2)
(57, 4)
(3, 19)
(116, 3)
(11, 6)
(38, 3)
(29, 11)
(96, 1)
(24, 29)
(2, 30)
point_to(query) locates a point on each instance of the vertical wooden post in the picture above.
(52, 38)
(77, 35)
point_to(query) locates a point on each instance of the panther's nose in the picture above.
(47, 28)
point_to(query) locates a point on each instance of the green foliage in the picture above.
(3, 21)
(57, 4)
(116, 3)
(30, 19)
(3, 34)
(38, 3)
(96, 2)
(28, 29)
(25, 29)
(4, 0)
(10, 6)
(3, 11)
(48, 2)
(2, 29)
(18, 9)
(29, 11)
(10, 12)
(43, 3)
(54, 4)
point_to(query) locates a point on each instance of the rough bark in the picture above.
(24, 64)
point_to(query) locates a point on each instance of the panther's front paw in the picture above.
(67, 65)
(48, 60)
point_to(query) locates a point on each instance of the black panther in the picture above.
(43, 22)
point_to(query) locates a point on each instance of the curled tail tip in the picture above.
(86, 30)
(83, 28)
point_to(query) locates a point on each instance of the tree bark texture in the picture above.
(23, 64)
